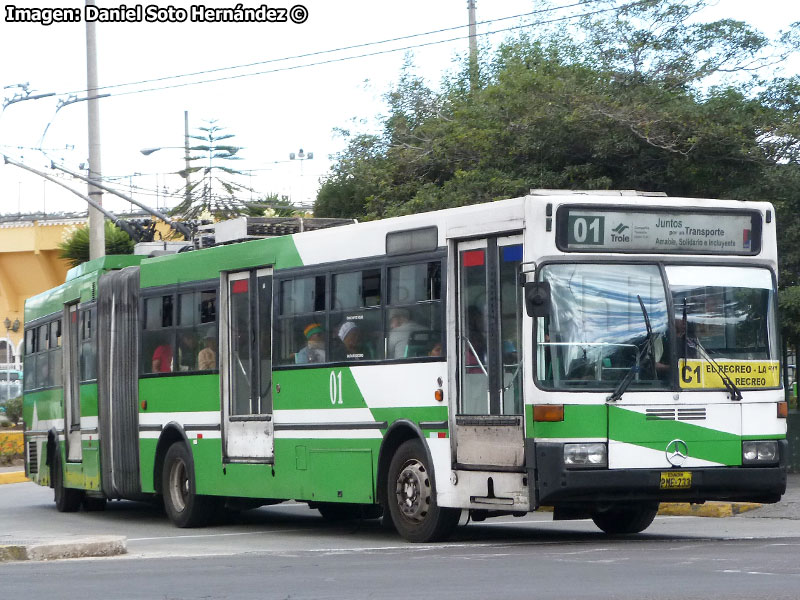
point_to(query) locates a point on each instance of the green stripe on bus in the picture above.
(704, 443)
(323, 388)
(580, 421)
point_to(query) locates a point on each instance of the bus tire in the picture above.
(411, 497)
(626, 518)
(184, 507)
(66, 499)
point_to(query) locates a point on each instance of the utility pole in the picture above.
(97, 235)
(473, 47)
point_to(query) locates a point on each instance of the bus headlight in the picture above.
(759, 452)
(585, 455)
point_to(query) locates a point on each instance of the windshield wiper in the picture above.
(646, 348)
(734, 391)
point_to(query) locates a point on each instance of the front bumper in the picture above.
(556, 484)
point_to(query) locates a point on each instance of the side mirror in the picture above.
(537, 298)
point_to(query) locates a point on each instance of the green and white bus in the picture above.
(594, 352)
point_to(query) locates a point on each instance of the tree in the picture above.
(219, 191)
(75, 248)
(628, 105)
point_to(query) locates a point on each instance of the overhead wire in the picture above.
(363, 45)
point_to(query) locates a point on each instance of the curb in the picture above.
(90, 547)
(709, 509)
(13, 477)
(684, 509)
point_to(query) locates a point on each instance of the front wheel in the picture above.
(185, 508)
(626, 518)
(411, 497)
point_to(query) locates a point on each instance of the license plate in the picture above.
(676, 480)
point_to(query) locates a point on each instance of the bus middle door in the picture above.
(246, 363)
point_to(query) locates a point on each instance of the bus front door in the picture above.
(246, 365)
(488, 425)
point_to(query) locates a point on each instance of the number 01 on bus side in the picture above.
(676, 480)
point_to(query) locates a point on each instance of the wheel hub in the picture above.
(413, 491)
(179, 486)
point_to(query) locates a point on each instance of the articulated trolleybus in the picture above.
(597, 353)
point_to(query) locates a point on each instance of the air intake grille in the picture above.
(672, 414)
(33, 457)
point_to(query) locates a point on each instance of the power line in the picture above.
(377, 53)
(352, 47)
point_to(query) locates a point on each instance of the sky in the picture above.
(273, 108)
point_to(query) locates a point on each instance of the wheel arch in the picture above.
(398, 433)
(172, 433)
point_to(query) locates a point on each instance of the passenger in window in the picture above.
(314, 350)
(436, 350)
(207, 357)
(400, 329)
(162, 359)
(187, 351)
(352, 346)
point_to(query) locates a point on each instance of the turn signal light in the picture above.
(438, 395)
(548, 412)
(144, 404)
(783, 410)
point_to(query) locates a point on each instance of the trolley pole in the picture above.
(97, 237)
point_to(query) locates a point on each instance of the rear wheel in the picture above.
(626, 518)
(411, 497)
(185, 508)
(66, 499)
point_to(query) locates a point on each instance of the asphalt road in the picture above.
(288, 551)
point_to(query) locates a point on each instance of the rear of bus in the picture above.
(657, 357)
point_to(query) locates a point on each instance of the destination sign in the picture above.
(745, 374)
(597, 229)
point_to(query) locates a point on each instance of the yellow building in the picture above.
(29, 264)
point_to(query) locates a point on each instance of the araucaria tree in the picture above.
(219, 190)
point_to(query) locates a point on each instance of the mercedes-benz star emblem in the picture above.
(677, 452)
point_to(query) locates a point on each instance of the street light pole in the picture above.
(187, 157)
(301, 156)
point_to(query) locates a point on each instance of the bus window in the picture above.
(157, 338)
(301, 335)
(30, 360)
(357, 317)
(596, 326)
(42, 364)
(55, 353)
(88, 354)
(414, 317)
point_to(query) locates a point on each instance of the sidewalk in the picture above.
(12, 474)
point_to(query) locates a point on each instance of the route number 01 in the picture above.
(586, 230)
(335, 388)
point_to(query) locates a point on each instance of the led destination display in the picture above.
(662, 231)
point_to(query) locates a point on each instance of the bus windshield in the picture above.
(596, 327)
(730, 311)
